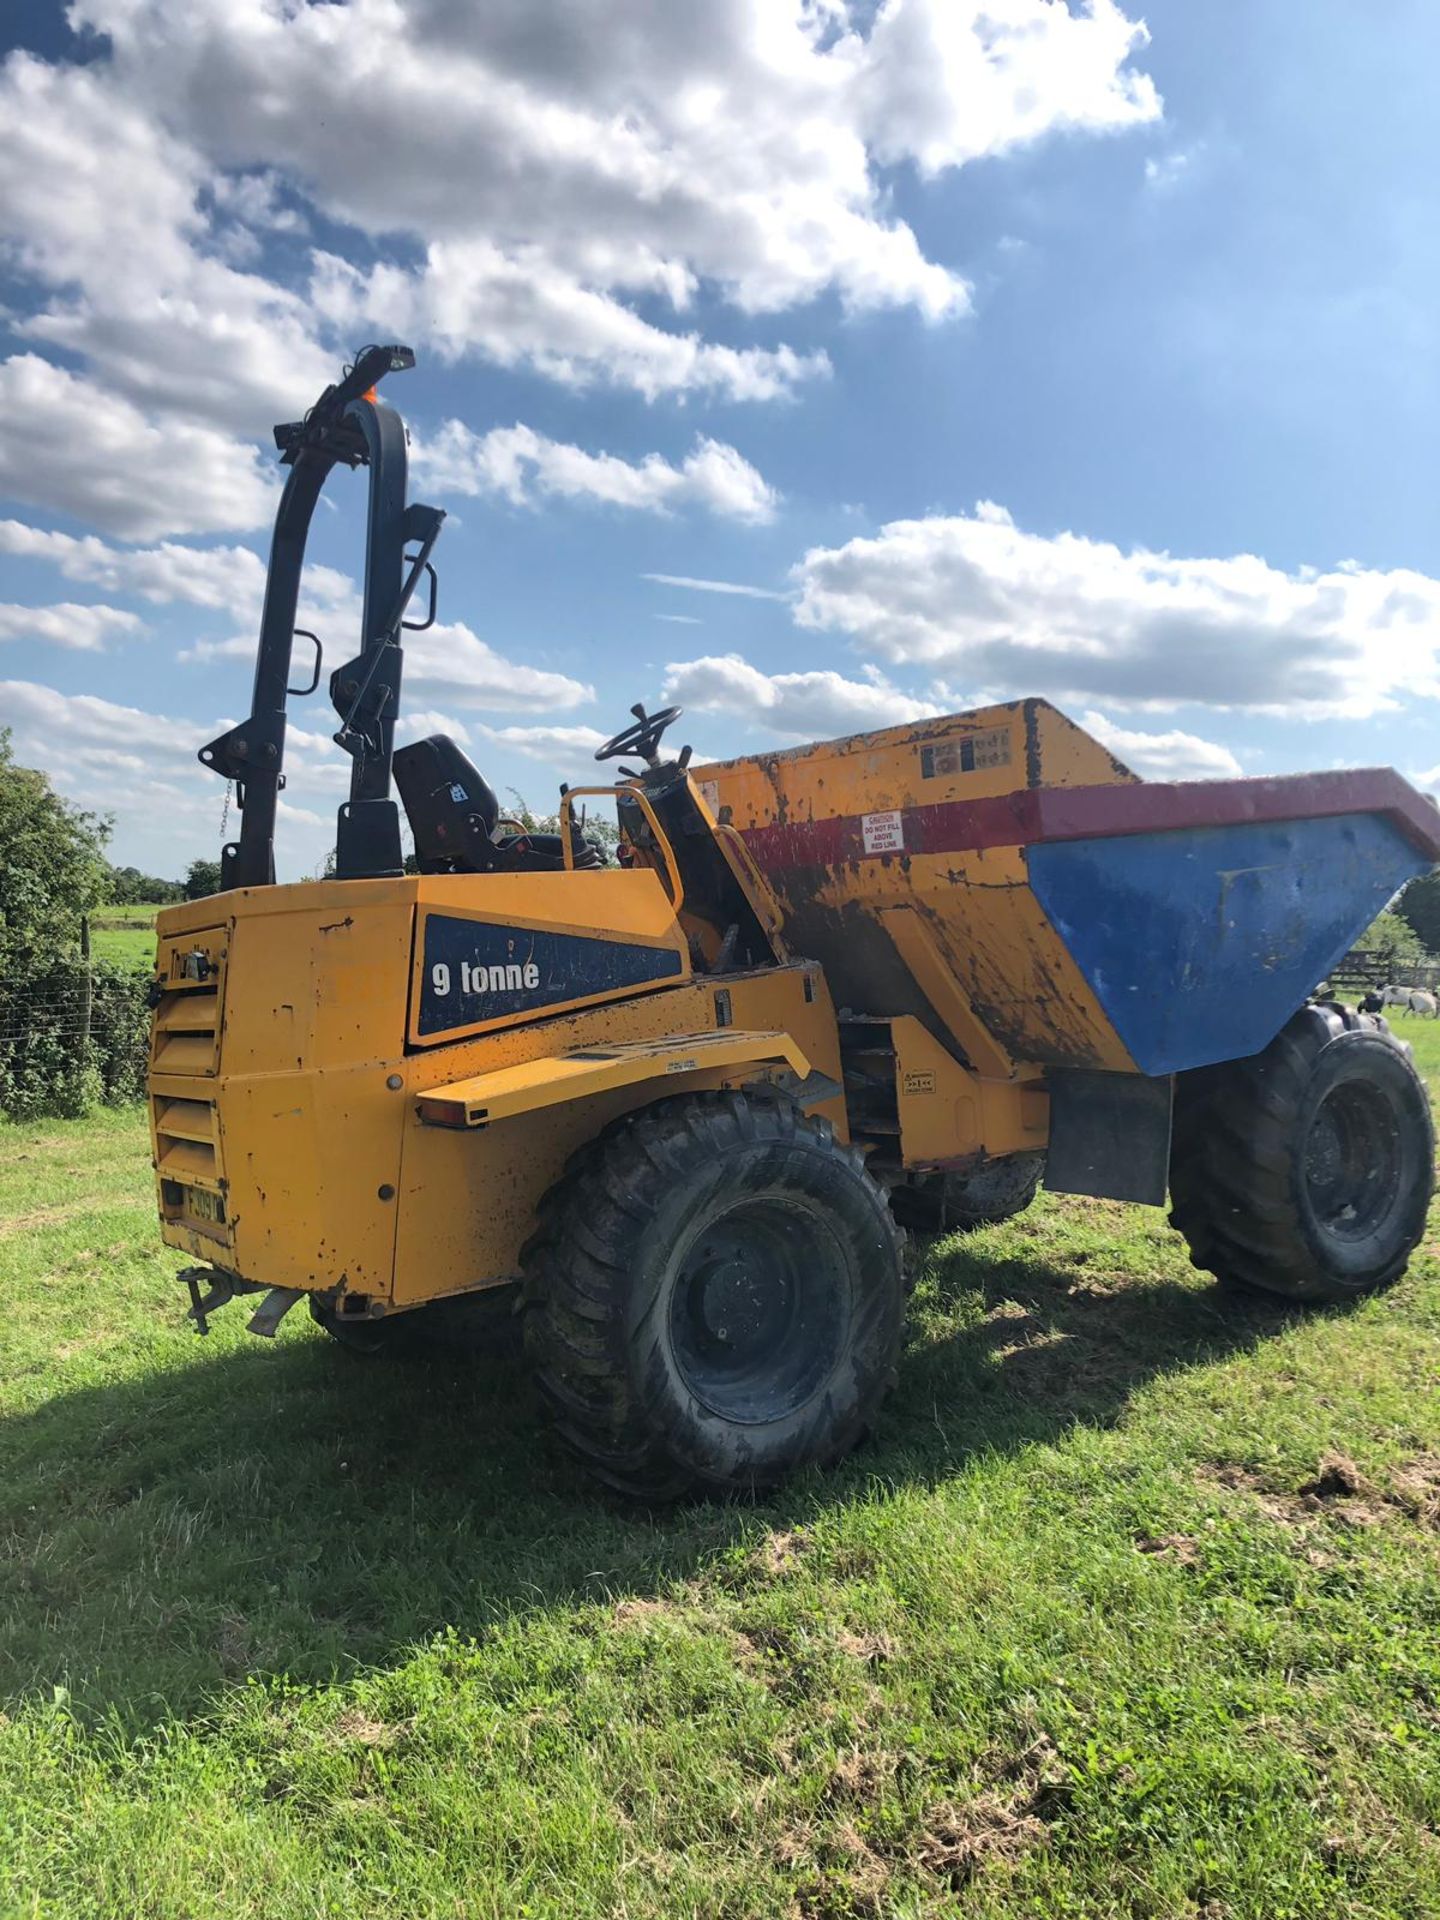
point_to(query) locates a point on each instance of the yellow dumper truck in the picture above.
(684, 1104)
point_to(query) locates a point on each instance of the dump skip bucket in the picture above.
(1003, 877)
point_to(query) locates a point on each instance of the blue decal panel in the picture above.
(1199, 944)
(474, 972)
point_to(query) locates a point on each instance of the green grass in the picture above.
(125, 935)
(287, 1633)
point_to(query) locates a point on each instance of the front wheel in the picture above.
(716, 1299)
(1308, 1170)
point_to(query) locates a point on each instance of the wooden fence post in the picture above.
(87, 992)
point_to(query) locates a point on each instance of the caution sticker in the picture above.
(883, 832)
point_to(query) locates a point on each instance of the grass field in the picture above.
(1132, 1607)
(125, 935)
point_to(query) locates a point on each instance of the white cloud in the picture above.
(72, 447)
(471, 298)
(713, 586)
(1184, 169)
(804, 706)
(517, 463)
(141, 767)
(1069, 616)
(947, 81)
(222, 577)
(680, 619)
(579, 156)
(67, 625)
(453, 661)
(1164, 756)
(1167, 171)
(100, 204)
(449, 658)
(417, 725)
(548, 743)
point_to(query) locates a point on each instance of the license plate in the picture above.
(205, 1205)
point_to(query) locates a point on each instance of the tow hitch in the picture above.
(222, 1288)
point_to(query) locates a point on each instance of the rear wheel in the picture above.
(716, 1300)
(959, 1202)
(1306, 1171)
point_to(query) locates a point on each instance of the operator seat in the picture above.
(453, 814)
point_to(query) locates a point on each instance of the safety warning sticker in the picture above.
(883, 832)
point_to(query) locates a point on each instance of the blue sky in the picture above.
(746, 292)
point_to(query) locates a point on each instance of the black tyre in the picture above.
(960, 1202)
(716, 1299)
(1308, 1170)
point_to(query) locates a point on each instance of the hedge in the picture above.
(73, 1034)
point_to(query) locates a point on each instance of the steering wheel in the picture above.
(643, 738)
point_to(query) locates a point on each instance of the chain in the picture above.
(225, 816)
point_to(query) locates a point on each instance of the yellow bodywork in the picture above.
(959, 923)
(288, 1078)
(324, 1121)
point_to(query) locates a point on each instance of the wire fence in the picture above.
(74, 1031)
(74, 1034)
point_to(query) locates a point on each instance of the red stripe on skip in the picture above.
(1085, 813)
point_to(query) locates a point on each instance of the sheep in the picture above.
(1373, 1003)
(1409, 1000)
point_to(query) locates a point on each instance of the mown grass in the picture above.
(1085, 1630)
(124, 934)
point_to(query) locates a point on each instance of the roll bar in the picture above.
(346, 426)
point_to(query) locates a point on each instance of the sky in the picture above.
(814, 365)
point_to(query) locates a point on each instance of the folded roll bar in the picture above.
(347, 426)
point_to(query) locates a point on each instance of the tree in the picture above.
(52, 866)
(1393, 940)
(128, 887)
(1419, 907)
(202, 879)
(605, 833)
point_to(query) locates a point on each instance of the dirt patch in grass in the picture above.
(640, 1613)
(778, 1553)
(958, 1841)
(860, 1775)
(361, 1728)
(873, 1648)
(1182, 1548)
(848, 1879)
(1340, 1491)
(1027, 1790)
(233, 1645)
(1416, 1488)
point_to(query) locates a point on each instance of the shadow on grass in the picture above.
(295, 1509)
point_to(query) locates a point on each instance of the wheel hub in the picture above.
(742, 1302)
(1352, 1160)
(757, 1310)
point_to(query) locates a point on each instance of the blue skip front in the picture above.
(1200, 942)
